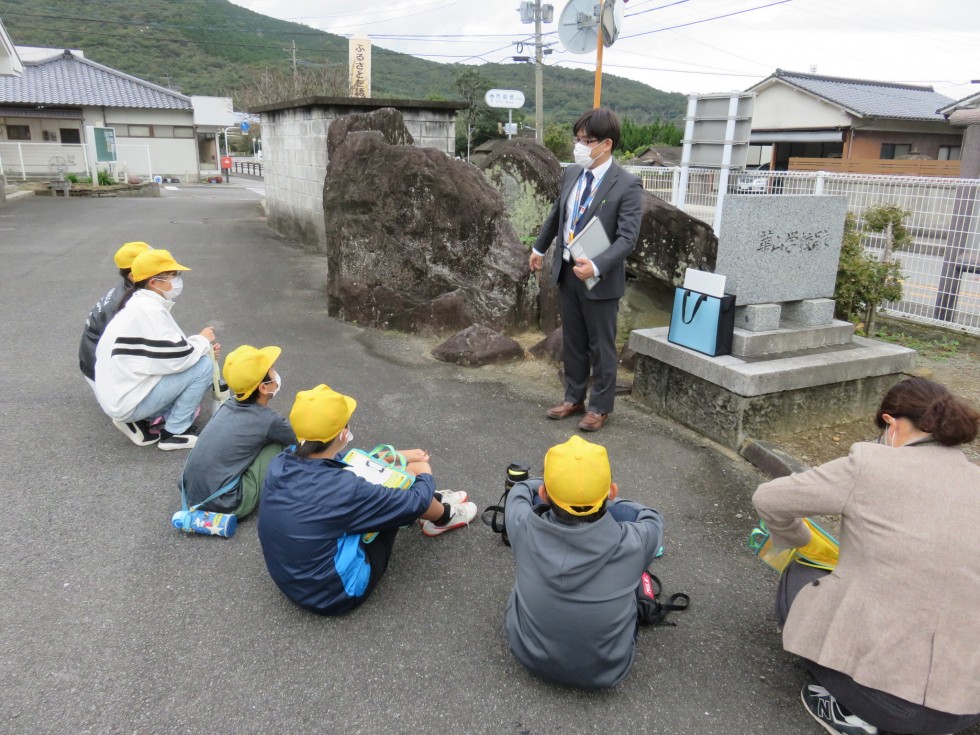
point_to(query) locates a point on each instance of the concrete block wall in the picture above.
(294, 144)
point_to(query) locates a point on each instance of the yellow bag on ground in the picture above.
(821, 552)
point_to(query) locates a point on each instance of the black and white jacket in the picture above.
(140, 345)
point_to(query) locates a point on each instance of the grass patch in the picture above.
(937, 349)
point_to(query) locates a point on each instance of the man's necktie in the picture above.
(580, 213)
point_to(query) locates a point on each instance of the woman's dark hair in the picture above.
(307, 448)
(599, 123)
(254, 395)
(130, 291)
(931, 408)
(124, 272)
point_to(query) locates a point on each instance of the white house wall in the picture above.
(168, 157)
(779, 107)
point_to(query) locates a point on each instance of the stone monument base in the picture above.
(732, 398)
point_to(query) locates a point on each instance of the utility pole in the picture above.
(295, 74)
(538, 76)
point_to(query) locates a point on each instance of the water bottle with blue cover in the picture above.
(205, 522)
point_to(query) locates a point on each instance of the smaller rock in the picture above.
(478, 345)
(550, 347)
(627, 358)
(624, 388)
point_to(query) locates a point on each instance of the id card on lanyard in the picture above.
(580, 209)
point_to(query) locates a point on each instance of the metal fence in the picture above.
(52, 160)
(42, 160)
(942, 265)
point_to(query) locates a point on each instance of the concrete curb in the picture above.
(771, 458)
(15, 195)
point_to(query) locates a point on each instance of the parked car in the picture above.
(753, 183)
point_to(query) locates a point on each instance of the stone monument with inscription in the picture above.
(792, 363)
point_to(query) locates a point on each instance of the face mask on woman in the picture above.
(176, 286)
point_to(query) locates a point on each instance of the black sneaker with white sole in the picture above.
(184, 440)
(138, 432)
(826, 710)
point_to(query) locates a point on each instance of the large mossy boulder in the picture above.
(670, 242)
(528, 177)
(418, 241)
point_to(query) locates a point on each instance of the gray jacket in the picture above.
(572, 615)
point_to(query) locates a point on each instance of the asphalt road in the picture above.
(112, 622)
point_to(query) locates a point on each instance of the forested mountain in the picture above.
(214, 47)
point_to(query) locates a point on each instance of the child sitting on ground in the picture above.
(315, 512)
(572, 617)
(106, 308)
(235, 448)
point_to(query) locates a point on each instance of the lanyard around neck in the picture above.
(580, 206)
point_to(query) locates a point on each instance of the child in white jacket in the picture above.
(146, 366)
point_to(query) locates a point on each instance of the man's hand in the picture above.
(583, 269)
(535, 262)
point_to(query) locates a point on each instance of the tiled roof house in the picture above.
(816, 116)
(46, 108)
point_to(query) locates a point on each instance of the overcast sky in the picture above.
(684, 45)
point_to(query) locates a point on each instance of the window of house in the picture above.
(894, 150)
(163, 131)
(137, 131)
(183, 131)
(71, 136)
(949, 153)
(18, 132)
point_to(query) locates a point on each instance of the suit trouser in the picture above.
(885, 711)
(589, 343)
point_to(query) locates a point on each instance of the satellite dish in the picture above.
(612, 21)
(578, 27)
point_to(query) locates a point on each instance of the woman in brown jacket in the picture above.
(892, 635)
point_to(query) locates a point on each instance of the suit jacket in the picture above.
(618, 203)
(901, 612)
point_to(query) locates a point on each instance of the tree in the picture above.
(277, 85)
(637, 137)
(477, 122)
(558, 139)
(864, 282)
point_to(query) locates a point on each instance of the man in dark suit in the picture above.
(596, 187)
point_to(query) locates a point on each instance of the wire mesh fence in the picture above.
(941, 266)
(41, 160)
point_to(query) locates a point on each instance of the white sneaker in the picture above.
(138, 432)
(460, 516)
(453, 497)
(825, 709)
(185, 440)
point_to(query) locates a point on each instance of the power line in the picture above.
(659, 7)
(706, 20)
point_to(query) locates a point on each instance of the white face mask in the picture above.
(583, 155)
(350, 438)
(176, 286)
(278, 381)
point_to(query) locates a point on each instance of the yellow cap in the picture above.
(127, 253)
(320, 414)
(154, 262)
(577, 476)
(246, 368)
